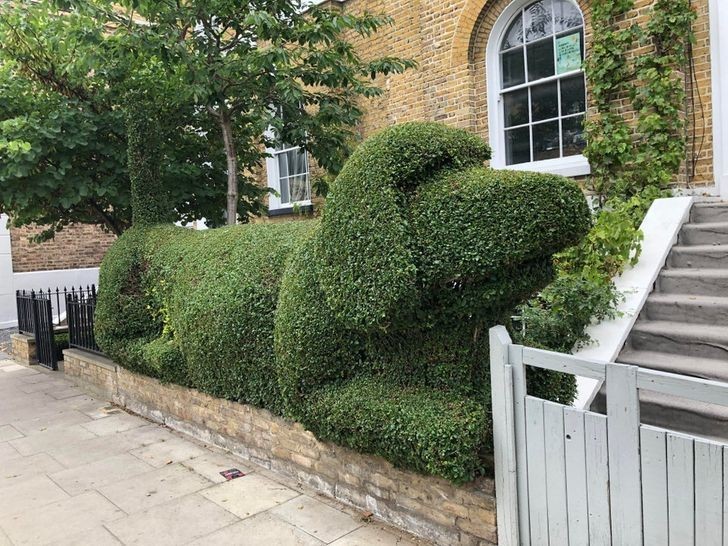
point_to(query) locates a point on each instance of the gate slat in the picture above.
(556, 474)
(708, 493)
(623, 422)
(576, 492)
(538, 505)
(725, 496)
(597, 475)
(654, 485)
(680, 489)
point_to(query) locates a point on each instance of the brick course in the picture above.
(76, 246)
(426, 506)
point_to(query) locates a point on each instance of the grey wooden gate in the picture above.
(566, 476)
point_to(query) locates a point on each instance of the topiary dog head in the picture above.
(415, 210)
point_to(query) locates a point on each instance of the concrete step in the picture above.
(695, 281)
(705, 256)
(681, 338)
(709, 212)
(705, 368)
(678, 414)
(704, 234)
(687, 308)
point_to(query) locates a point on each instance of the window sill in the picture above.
(287, 211)
(576, 165)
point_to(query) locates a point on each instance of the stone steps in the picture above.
(694, 281)
(689, 308)
(699, 256)
(713, 233)
(683, 327)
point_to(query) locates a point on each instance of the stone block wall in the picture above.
(23, 349)
(425, 506)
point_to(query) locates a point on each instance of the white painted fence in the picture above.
(566, 476)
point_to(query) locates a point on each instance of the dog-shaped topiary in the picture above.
(370, 326)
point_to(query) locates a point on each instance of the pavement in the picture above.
(75, 470)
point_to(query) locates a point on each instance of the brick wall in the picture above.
(448, 39)
(76, 246)
(426, 506)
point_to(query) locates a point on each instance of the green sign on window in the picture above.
(568, 53)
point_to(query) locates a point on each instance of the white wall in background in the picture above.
(7, 293)
(34, 280)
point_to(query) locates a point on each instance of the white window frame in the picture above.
(274, 179)
(574, 165)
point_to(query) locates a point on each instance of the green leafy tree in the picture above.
(259, 64)
(63, 149)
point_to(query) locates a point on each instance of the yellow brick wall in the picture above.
(448, 39)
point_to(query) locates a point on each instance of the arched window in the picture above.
(536, 87)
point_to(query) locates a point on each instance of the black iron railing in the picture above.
(35, 317)
(80, 308)
(45, 313)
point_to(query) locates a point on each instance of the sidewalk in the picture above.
(75, 470)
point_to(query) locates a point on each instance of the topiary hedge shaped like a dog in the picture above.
(370, 326)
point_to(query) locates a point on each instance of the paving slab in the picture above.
(60, 520)
(152, 488)
(99, 473)
(173, 523)
(210, 464)
(29, 495)
(172, 450)
(36, 424)
(316, 518)
(17, 469)
(51, 438)
(263, 529)
(249, 495)
(374, 535)
(98, 536)
(100, 447)
(112, 424)
(9, 432)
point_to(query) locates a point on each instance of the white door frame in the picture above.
(718, 12)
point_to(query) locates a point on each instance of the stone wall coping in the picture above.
(22, 337)
(91, 358)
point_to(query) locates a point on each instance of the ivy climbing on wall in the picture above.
(627, 159)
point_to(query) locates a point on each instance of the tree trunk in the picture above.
(232, 167)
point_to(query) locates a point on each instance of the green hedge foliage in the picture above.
(370, 326)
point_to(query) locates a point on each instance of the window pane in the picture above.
(566, 15)
(515, 106)
(299, 188)
(513, 71)
(573, 95)
(569, 52)
(539, 21)
(285, 191)
(514, 34)
(518, 149)
(282, 165)
(546, 141)
(573, 135)
(544, 101)
(540, 59)
(296, 162)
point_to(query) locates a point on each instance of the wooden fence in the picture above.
(566, 476)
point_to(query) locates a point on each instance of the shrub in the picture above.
(197, 308)
(370, 327)
(583, 292)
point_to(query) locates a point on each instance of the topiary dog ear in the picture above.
(364, 250)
